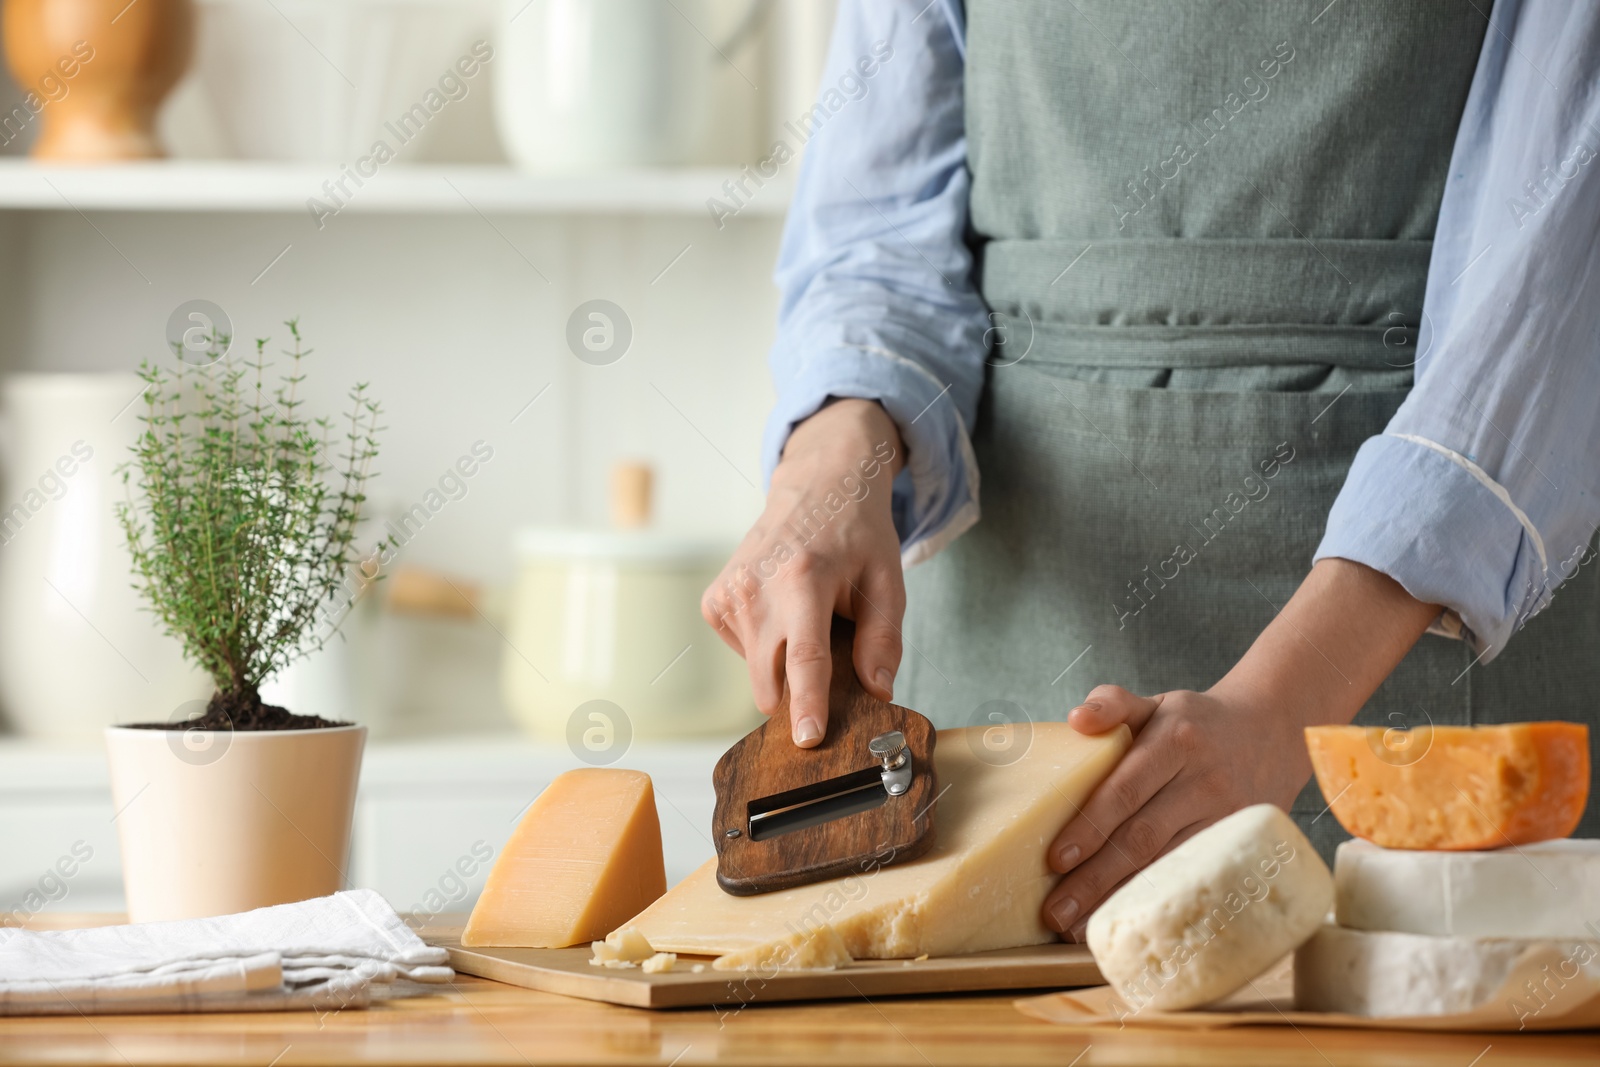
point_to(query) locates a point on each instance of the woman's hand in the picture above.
(1198, 757)
(825, 544)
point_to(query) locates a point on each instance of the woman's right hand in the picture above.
(825, 544)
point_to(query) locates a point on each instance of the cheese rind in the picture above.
(585, 857)
(1544, 889)
(1360, 972)
(980, 887)
(1454, 787)
(1213, 913)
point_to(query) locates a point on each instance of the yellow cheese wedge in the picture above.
(1454, 788)
(585, 858)
(980, 887)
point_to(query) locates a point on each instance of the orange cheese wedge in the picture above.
(1453, 788)
(585, 859)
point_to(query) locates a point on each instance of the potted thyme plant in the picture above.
(241, 522)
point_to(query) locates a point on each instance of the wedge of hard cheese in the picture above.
(1454, 787)
(1544, 889)
(980, 887)
(585, 858)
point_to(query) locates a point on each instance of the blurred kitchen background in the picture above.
(546, 277)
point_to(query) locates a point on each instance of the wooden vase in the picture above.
(94, 72)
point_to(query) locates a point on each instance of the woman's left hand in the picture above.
(1196, 757)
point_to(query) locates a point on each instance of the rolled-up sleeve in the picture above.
(1483, 494)
(878, 300)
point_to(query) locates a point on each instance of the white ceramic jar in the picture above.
(594, 83)
(320, 81)
(212, 822)
(78, 648)
(615, 616)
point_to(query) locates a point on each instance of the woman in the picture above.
(1209, 295)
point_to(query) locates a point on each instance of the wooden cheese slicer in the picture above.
(863, 798)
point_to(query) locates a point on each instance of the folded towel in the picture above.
(324, 954)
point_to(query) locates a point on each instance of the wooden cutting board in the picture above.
(567, 971)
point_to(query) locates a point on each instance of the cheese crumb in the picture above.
(624, 947)
(660, 963)
(697, 968)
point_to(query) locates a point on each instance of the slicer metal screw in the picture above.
(731, 832)
(890, 748)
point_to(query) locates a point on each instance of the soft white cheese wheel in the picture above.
(1213, 913)
(1548, 889)
(1391, 975)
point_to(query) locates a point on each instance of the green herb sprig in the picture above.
(240, 521)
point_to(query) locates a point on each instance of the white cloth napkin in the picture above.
(324, 954)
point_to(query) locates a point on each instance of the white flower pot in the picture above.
(213, 822)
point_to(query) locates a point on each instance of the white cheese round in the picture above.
(1548, 889)
(1213, 913)
(1391, 975)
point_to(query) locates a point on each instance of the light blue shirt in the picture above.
(1483, 493)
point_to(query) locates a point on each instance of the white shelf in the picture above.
(231, 186)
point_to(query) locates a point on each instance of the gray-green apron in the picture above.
(1204, 233)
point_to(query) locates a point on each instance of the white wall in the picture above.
(455, 332)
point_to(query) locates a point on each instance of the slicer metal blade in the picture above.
(786, 816)
(797, 809)
(813, 805)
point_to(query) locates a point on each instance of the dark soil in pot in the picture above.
(243, 711)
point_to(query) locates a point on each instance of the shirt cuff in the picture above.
(936, 495)
(1436, 525)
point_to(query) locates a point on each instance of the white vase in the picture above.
(318, 683)
(78, 650)
(595, 83)
(799, 49)
(213, 822)
(315, 81)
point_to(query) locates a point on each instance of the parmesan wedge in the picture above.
(980, 887)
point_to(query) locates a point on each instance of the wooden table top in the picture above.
(475, 1021)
